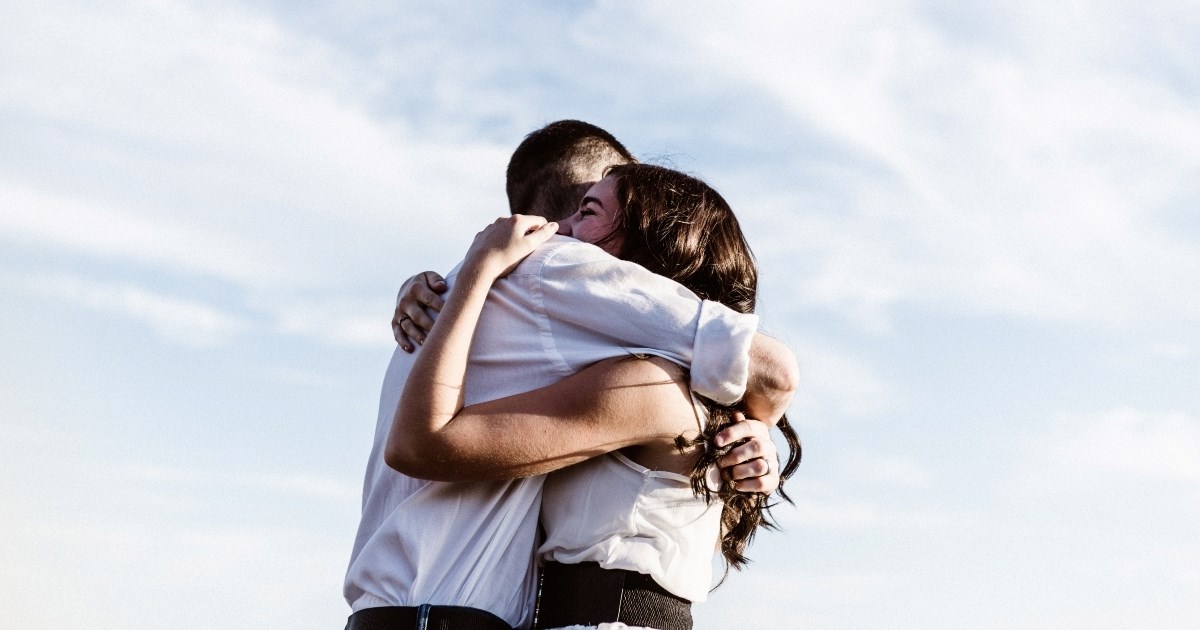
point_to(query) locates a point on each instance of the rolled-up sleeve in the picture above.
(591, 297)
(721, 353)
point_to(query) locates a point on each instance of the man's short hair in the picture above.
(548, 171)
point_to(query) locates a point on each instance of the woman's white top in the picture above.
(616, 512)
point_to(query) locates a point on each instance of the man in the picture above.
(460, 555)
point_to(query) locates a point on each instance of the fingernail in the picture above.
(407, 348)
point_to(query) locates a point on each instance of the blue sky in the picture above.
(977, 226)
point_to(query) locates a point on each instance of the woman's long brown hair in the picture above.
(678, 227)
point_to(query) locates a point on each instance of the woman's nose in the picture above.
(564, 227)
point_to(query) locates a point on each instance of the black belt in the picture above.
(588, 595)
(425, 617)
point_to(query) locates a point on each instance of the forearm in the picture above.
(611, 405)
(498, 440)
(433, 393)
(774, 377)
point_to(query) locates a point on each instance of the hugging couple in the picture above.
(588, 421)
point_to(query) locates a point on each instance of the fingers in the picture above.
(751, 469)
(407, 335)
(414, 332)
(741, 429)
(427, 292)
(402, 339)
(535, 230)
(411, 321)
(420, 322)
(420, 293)
(752, 463)
(541, 234)
(749, 439)
(501, 246)
(760, 474)
(424, 298)
(756, 477)
(527, 223)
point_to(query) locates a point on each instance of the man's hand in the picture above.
(416, 302)
(752, 465)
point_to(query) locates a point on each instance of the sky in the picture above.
(977, 225)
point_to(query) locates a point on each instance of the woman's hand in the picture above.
(752, 465)
(499, 247)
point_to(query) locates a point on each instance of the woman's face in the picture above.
(596, 216)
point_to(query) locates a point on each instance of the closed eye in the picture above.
(587, 201)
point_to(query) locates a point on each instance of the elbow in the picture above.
(773, 368)
(401, 457)
(407, 448)
(420, 459)
(787, 377)
(778, 386)
(774, 380)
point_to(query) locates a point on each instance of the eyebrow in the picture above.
(585, 200)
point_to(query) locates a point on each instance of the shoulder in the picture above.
(564, 252)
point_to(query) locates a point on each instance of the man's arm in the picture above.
(774, 377)
(769, 379)
(622, 308)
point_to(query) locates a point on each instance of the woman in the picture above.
(645, 510)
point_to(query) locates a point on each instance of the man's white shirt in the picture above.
(566, 306)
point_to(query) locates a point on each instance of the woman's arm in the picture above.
(433, 392)
(613, 404)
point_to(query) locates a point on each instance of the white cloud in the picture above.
(84, 520)
(1087, 451)
(888, 470)
(782, 596)
(823, 506)
(305, 378)
(1113, 498)
(835, 384)
(336, 321)
(42, 218)
(1014, 171)
(103, 562)
(213, 139)
(177, 319)
(299, 484)
(304, 485)
(1171, 351)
